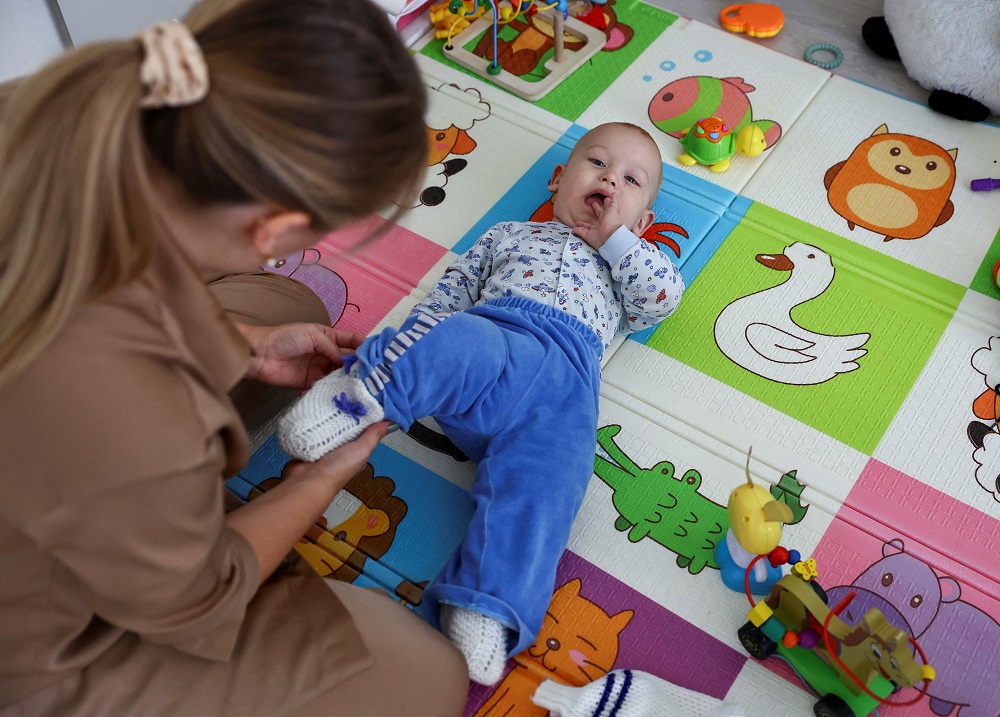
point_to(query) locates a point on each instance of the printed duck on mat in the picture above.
(758, 333)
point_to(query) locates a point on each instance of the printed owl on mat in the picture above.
(894, 184)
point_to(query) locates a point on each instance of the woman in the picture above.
(133, 171)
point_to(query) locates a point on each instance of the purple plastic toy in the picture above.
(985, 185)
(961, 641)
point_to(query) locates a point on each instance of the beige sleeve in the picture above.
(156, 558)
(265, 299)
(123, 452)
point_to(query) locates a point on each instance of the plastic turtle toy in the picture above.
(710, 142)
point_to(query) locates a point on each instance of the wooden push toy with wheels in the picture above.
(853, 669)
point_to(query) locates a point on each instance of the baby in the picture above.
(505, 353)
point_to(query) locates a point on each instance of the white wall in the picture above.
(89, 20)
(28, 37)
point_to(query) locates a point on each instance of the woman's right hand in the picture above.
(274, 522)
(337, 467)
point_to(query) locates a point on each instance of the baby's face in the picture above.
(608, 160)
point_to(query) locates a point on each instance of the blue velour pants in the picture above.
(514, 384)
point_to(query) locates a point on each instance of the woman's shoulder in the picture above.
(108, 341)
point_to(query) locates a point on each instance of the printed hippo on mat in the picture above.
(961, 641)
(304, 267)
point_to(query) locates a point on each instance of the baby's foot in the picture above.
(336, 410)
(481, 639)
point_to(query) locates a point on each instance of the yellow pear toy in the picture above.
(755, 519)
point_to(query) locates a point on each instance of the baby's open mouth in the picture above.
(594, 200)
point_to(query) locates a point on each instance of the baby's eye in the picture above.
(632, 180)
(598, 162)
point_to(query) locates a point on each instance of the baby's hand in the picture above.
(608, 221)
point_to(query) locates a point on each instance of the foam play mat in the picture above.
(840, 318)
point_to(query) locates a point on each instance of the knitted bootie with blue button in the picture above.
(336, 410)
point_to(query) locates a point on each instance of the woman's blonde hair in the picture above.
(314, 106)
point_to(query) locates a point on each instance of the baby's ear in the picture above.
(556, 176)
(644, 223)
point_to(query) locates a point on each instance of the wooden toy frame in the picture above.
(556, 71)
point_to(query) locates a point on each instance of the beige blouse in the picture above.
(122, 591)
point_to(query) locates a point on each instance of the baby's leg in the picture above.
(527, 491)
(431, 366)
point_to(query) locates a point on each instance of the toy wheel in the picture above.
(832, 706)
(756, 642)
(817, 588)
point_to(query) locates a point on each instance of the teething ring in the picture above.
(838, 55)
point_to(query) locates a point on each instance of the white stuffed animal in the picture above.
(951, 47)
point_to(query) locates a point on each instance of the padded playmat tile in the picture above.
(852, 327)
(656, 511)
(482, 141)
(392, 527)
(640, 377)
(862, 371)
(901, 561)
(606, 624)
(359, 280)
(694, 71)
(886, 164)
(631, 27)
(931, 437)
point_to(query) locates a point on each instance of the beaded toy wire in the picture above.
(501, 16)
(833, 652)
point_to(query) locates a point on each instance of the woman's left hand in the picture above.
(297, 355)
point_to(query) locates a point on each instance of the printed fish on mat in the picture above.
(677, 106)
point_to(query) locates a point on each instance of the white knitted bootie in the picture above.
(336, 410)
(481, 639)
(630, 693)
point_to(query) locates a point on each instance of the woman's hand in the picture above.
(275, 521)
(337, 467)
(297, 355)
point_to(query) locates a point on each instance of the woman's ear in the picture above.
(277, 233)
(556, 176)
